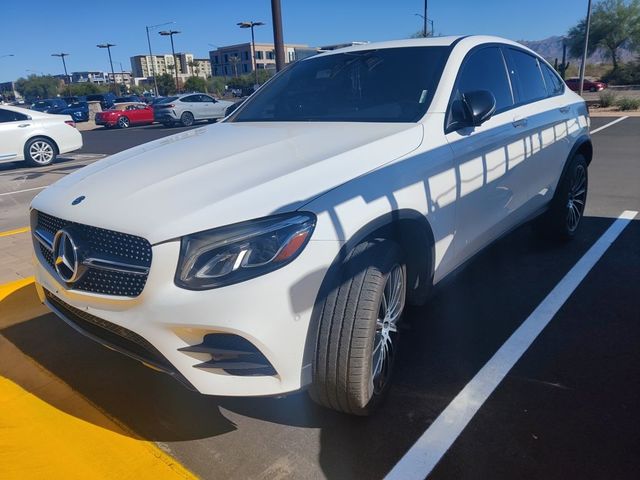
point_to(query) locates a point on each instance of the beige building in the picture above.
(142, 66)
(235, 60)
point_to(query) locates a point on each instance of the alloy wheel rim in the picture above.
(123, 122)
(188, 119)
(577, 198)
(385, 338)
(41, 152)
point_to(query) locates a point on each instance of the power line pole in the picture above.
(278, 41)
(586, 45)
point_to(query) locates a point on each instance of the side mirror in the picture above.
(470, 109)
(480, 105)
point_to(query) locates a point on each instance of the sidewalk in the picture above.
(15, 255)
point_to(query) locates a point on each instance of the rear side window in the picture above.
(10, 116)
(525, 70)
(554, 84)
(485, 70)
(191, 99)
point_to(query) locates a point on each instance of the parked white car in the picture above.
(35, 137)
(276, 250)
(189, 108)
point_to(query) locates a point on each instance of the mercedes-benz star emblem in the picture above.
(67, 262)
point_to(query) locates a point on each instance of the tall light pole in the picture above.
(153, 62)
(253, 43)
(171, 33)
(64, 64)
(108, 47)
(425, 17)
(586, 45)
(424, 31)
(278, 41)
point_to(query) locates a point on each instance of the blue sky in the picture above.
(33, 29)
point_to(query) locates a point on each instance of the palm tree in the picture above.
(234, 61)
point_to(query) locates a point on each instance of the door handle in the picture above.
(519, 122)
(23, 125)
(564, 109)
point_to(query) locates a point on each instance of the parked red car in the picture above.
(123, 115)
(589, 85)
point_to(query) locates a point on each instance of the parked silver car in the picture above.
(189, 108)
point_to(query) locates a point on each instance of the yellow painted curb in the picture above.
(48, 430)
(16, 231)
(7, 289)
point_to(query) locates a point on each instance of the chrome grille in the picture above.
(105, 246)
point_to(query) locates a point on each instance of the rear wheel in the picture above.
(39, 152)
(358, 332)
(123, 122)
(187, 119)
(564, 216)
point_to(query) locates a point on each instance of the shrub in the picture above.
(627, 103)
(607, 98)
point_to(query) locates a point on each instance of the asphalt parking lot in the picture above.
(568, 408)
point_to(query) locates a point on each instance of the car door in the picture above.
(214, 108)
(546, 124)
(191, 103)
(135, 114)
(491, 162)
(14, 128)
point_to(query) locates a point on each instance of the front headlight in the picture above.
(236, 253)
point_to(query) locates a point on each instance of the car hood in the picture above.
(223, 174)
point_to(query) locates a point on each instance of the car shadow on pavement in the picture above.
(445, 344)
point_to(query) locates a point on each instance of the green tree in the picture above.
(86, 88)
(216, 85)
(166, 84)
(195, 84)
(35, 86)
(614, 23)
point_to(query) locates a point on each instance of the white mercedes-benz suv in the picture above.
(276, 250)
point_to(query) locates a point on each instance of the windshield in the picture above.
(386, 85)
(42, 103)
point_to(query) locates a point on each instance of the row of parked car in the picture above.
(123, 112)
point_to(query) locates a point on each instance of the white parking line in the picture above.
(22, 191)
(607, 125)
(424, 455)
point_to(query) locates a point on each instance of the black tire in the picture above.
(40, 151)
(563, 218)
(123, 122)
(343, 364)
(187, 119)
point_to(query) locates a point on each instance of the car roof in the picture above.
(469, 41)
(25, 111)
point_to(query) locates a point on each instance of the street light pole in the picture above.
(151, 59)
(64, 64)
(108, 47)
(253, 43)
(171, 33)
(425, 23)
(586, 45)
(278, 42)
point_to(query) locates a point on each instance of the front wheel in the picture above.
(358, 331)
(564, 216)
(39, 152)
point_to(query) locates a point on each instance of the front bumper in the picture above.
(272, 312)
